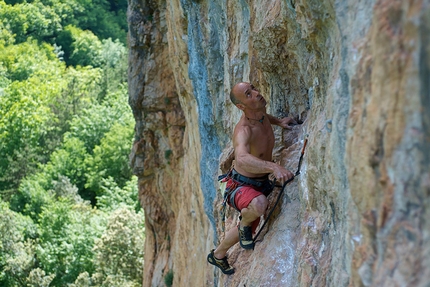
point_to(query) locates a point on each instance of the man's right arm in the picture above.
(245, 161)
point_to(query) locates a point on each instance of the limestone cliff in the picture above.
(355, 73)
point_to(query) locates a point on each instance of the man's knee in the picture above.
(259, 204)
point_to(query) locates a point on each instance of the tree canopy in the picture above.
(69, 214)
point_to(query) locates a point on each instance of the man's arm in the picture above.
(252, 164)
(284, 122)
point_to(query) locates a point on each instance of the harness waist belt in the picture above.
(247, 180)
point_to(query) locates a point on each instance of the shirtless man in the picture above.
(253, 142)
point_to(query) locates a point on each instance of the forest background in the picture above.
(69, 214)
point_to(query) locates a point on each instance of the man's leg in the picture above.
(218, 257)
(251, 213)
(231, 238)
(256, 208)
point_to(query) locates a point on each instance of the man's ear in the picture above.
(240, 106)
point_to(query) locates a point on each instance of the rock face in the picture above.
(356, 74)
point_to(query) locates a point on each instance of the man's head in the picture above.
(245, 95)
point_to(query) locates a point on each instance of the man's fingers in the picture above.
(283, 177)
(291, 121)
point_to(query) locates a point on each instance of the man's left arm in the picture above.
(284, 122)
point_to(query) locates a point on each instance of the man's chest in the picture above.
(262, 142)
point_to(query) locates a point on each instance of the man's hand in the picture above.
(282, 175)
(286, 123)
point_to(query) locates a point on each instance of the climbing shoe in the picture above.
(220, 263)
(245, 237)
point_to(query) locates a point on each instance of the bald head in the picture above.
(235, 92)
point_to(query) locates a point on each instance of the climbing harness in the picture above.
(263, 184)
(282, 190)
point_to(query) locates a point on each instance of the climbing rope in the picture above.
(282, 189)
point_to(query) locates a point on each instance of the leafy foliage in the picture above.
(105, 18)
(68, 209)
(25, 20)
(30, 59)
(168, 278)
(37, 106)
(31, 198)
(92, 123)
(67, 161)
(66, 239)
(16, 246)
(95, 149)
(114, 197)
(24, 115)
(43, 19)
(110, 158)
(119, 251)
(80, 47)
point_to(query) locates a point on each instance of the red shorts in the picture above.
(243, 197)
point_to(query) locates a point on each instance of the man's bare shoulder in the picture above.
(242, 130)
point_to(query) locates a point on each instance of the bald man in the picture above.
(247, 183)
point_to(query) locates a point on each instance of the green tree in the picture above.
(65, 134)
(119, 251)
(29, 72)
(6, 36)
(16, 247)
(39, 98)
(114, 65)
(24, 120)
(68, 161)
(82, 88)
(58, 178)
(110, 158)
(96, 147)
(25, 20)
(105, 19)
(80, 47)
(31, 197)
(31, 60)
(67, 234)
(39, 278)
(113, 197)
(91, 125)
(45, 18)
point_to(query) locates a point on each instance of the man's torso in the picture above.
(261, 143)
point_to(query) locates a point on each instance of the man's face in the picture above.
(249, 96)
